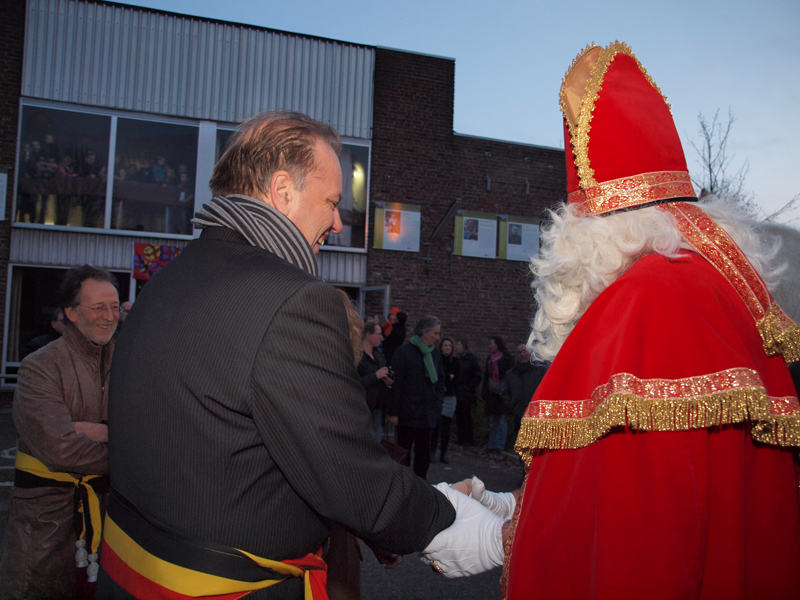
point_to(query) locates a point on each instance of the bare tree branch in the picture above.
(715, 175)
(715, 163)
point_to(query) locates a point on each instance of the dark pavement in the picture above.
(412, 580)
(8, 450)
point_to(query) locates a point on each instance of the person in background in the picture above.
(394, 333)
(416, 401)
(497, 363)
(159, 170)
(344, 549)
(124, 309)
(442, 429)
(522, 380)
(469, 377)
(374, 375)
(60, 412)
(56, 331)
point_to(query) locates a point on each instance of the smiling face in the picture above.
(314, 208)
(97, 311)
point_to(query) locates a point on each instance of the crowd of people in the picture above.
(243, 456)
(421, 401)
(61, 180)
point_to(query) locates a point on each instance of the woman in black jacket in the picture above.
(497, 363)
(469, 377)
(450, 366)
(374, 375)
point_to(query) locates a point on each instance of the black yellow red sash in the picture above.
(32, 473)
(149, 561)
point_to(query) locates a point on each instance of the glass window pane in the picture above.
(154, 176)
(353, 207)
(223, 136)
(62, 167)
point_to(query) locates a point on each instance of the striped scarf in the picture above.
(261, 225)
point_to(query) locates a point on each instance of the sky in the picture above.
(510, 56)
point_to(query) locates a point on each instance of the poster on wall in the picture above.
(397, 226)
(475, 234)
(519, 238)
(149, 259)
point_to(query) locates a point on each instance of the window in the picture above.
(63, 175)
(62, 168)
(154, 176)
(353, 207)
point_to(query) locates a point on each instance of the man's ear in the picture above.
(71, 314)
(281, 190)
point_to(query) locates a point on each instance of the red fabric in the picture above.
(318, 573)
(139, 586)
(699, 514)
(632, 128)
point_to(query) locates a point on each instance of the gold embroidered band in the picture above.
(727, 397)
(779, 333)
(633, 191)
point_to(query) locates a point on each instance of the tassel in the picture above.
(779, 334)
(81, 555)
(93, 569)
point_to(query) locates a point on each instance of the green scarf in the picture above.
(426, 357)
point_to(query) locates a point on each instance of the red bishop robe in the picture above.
(660, 451)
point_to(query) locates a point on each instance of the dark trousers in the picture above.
(464, 421)
(442, 430)
(419, 439)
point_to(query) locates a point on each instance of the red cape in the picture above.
(644, 480)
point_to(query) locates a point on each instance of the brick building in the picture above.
(147, 92)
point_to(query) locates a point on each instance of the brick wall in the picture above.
(12, 29)
(416, 159)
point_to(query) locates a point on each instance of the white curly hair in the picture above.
(582, 256)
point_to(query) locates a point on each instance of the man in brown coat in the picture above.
(60, 406)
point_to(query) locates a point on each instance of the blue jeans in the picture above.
(498, 430)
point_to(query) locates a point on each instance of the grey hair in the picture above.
(426, 324)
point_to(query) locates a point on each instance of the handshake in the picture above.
(474, 542)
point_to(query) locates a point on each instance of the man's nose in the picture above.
(337, 222)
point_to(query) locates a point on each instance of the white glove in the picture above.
(502, 504)
(472, 544)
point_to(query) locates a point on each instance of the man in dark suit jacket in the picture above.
(239, 422)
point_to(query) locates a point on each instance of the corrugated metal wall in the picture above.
(345, 268)
(48, 248)
(134, 59)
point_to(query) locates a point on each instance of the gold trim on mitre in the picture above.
(579, 92)
(628, 192)
(731, 396)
